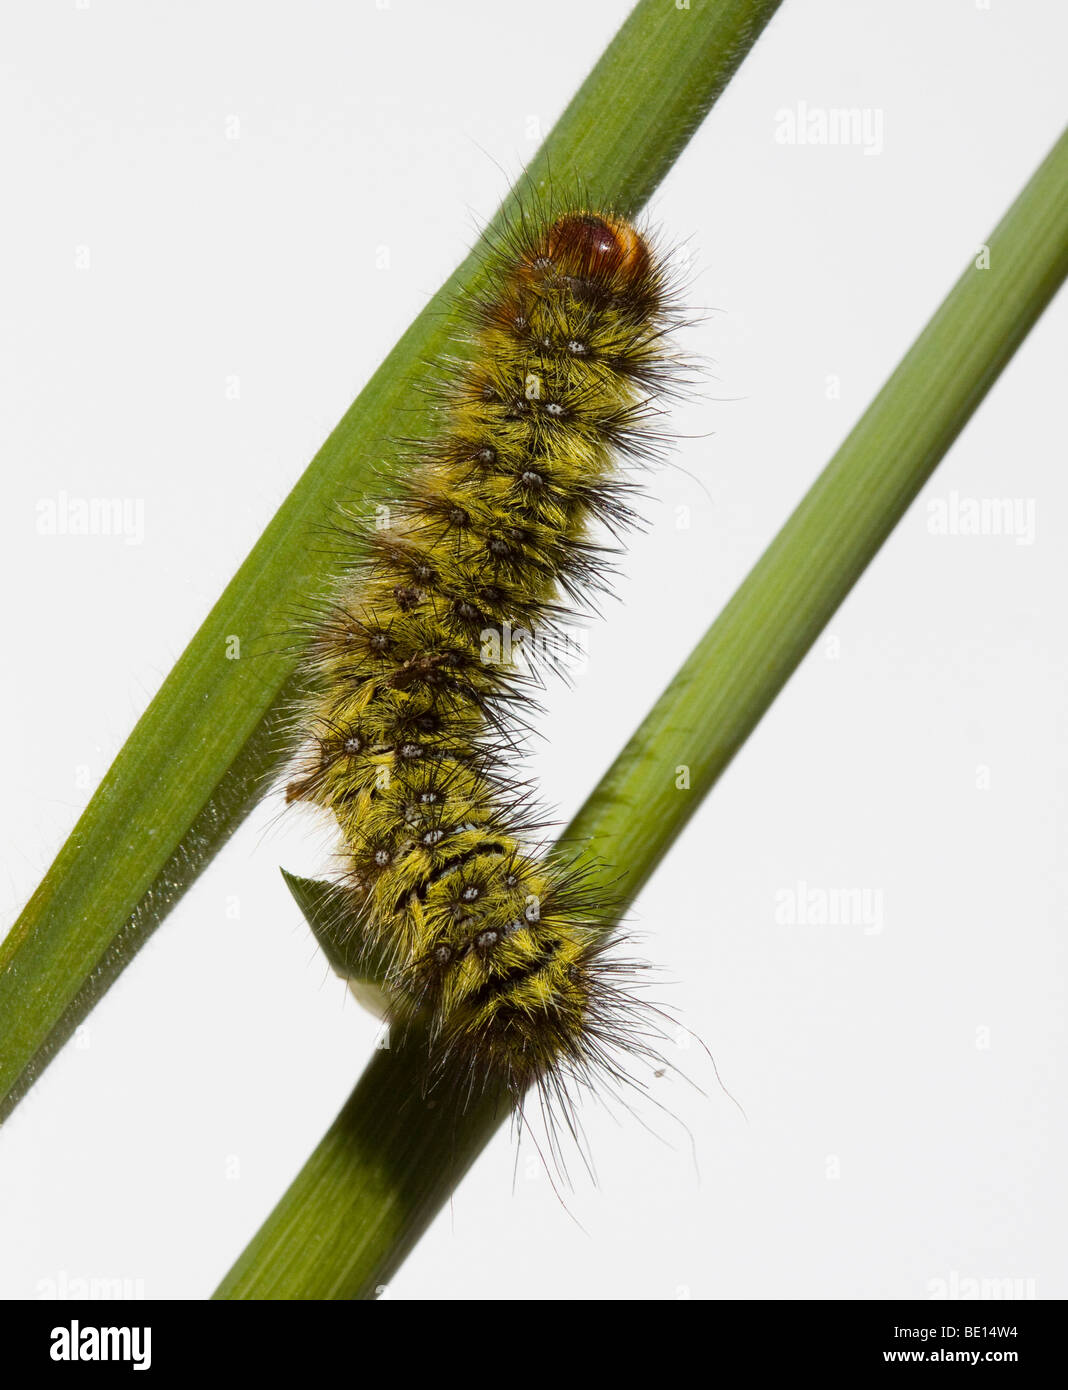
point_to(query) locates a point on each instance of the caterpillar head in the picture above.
(598, 246)
(596, 254)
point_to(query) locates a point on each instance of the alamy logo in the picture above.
(805, 905)
(96, 1286)
(527, 650)
(982, 516)
(958, 1286)
(836, 125)
(65, 515)
(77, 1343)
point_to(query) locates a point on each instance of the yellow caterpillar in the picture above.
(410, 734)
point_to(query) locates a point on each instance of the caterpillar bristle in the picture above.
(454, 604)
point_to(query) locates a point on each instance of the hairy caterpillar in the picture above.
(409, 736)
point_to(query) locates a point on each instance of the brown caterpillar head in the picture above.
(594, 247)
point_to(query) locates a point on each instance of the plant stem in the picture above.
(388, 1164)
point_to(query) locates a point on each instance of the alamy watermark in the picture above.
(77, 1342)
(857, 126)
(807, 905)
(552, 648)
(92, 1286)
(64, 515)
(982, 516)
(963, 1286)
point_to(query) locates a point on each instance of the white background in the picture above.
(920, 755)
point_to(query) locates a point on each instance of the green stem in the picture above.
(203, 753)
(388, 1164)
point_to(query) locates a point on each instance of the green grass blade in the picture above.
(317, 900)
(202, 753)
(388, 1164)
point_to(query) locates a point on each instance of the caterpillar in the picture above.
(410, 733)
